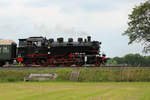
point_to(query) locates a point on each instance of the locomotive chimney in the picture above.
(89, 38)
(51, 40)
(80, 40)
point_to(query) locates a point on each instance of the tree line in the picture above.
(130, 60)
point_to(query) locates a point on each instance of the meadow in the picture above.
(75, 91)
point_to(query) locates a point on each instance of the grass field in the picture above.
(75, 91)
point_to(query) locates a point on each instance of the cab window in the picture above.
(39, 43)
(5, 49)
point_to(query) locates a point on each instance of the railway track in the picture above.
(90, 67)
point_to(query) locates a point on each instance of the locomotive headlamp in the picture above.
(48, 47)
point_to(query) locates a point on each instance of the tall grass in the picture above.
(86, 74)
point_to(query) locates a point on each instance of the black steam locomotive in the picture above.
(47, 52)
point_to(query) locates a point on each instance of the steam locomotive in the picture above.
(41, 51)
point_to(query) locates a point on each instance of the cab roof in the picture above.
(6, 42)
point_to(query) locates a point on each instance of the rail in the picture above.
(90, 67)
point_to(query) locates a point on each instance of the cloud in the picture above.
(5, 3)
(104, 20)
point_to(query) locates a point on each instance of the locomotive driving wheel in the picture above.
(97, 65)
(79, 64)
(42, 62)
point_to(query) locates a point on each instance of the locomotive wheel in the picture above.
(42, 62)
(67, 65)
(26, 64)
(79, 64)
(52, 65)
(97, 65)
(1, 64)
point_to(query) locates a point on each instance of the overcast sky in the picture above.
(104, 20)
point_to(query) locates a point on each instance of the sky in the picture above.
(103, 20)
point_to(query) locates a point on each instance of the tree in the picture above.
(119, 60)
(130, 60)
(111, 62)
(139, 25)
(133, 59)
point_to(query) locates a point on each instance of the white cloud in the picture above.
(23, 19)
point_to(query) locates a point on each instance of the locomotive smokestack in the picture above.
(89, 38)
(51, 40)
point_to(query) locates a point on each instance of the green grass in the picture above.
(75, 91)
(86, 74)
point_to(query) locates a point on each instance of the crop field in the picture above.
(75, 91)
